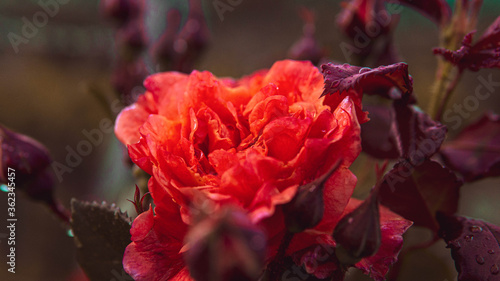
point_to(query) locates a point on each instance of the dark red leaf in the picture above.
(418, 192)
(437, 10)
(475, 247)
(339, 79)
(491, 37)
(420, 136)
(390, 81)
(484, 54)
(402, 131)
(379, 138)
(475, 152)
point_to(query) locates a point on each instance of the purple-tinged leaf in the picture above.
(379, 137)
(420, 136)
(475, 247)
(381, 81)
(418, 192)
(402, 131)
(485, 53)
(475, 152)
(391, 81)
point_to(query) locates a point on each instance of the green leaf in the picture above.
(102, 232)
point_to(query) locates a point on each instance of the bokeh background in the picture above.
(46, 92)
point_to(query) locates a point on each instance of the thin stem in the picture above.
(450, 39)
(438, 89)
(275, 268)
(101, 99)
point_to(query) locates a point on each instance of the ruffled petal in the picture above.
(296, 80)
(153, 255)
(132, 117)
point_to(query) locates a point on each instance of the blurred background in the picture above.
(52, 84)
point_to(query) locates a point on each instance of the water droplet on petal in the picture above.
(491, 252)
(479, 259)
(476, 229)
(364, 69)
(469, 238)
(494, 269)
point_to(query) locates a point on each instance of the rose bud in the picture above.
(307, 47)
(358, 233)
(306, 208)
(163, 49)
(29, 161)
(132, 39)
(225, 246)
(127, 78)
(25, 155)
(119, 10)
(192, 39)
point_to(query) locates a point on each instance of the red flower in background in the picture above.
(247, 143)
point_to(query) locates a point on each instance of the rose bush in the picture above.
(248, 143)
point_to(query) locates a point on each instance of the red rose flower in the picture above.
(248, 143)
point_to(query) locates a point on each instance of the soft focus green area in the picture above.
(44, 93)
